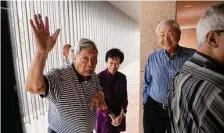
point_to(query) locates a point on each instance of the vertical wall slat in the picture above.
(20, 92)
(20, 59)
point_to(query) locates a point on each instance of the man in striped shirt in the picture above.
(160, 68)
(68, 58)
(197, 91)
(70, 88)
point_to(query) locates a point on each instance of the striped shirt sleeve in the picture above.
(55, 85)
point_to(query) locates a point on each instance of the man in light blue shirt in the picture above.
(160, 68)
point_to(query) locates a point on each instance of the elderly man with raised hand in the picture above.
(197, 91)
(160, 68)
(70, 88)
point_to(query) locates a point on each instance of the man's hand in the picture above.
(98, 101)
(43, 41)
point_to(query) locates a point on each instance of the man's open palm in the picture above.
(44, 42)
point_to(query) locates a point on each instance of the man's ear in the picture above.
(211, 39)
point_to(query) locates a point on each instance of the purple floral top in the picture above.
(115, 93)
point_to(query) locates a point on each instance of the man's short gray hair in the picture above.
(85, 43)
(211, 20)
(168, 22)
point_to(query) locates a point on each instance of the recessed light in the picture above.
(188, 6)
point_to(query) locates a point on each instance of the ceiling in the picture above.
(188, 12)
(130, 8)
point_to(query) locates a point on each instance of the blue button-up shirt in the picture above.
(159, 70)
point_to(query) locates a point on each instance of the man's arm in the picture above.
(35, 80)
(43, 43)
(146, 81)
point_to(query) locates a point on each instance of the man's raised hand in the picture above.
(44, 42)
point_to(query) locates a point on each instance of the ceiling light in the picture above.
(188, 6)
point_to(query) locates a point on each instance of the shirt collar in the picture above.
(109, 74)
(208, 62)
(178, 53)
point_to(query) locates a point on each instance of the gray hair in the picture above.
(211, 20)
(168, 22)
(85, 43)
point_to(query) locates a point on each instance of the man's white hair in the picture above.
(211, 20)
(85, 43)
(168, 22)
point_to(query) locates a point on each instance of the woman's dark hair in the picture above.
(115, 52)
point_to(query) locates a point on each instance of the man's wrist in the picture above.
(41, 53)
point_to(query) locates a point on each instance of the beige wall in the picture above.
(152, 13)
(188, 38)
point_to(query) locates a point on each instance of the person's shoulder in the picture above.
(65, 67)
(155, 54)
(158, 51)
(62, 70)
(186, 50)
(102, 73)
(189, 49)
(120, 74)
